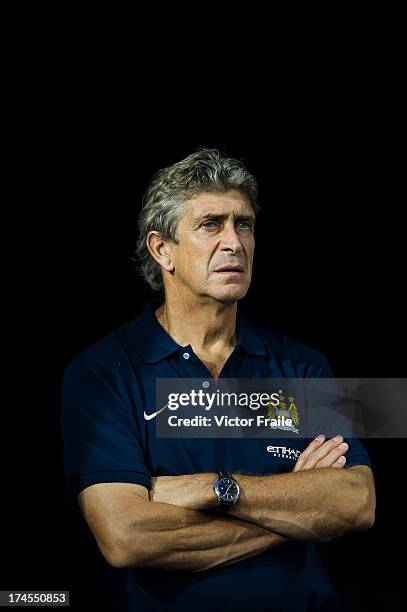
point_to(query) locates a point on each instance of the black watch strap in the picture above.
(223, 474)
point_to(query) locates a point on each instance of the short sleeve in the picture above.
(99, 429)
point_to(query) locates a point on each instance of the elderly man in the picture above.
(193, 523)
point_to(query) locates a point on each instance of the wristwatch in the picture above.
(226, 489)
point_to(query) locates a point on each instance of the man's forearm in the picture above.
(169, 537)
(319, 500)
(309, 505)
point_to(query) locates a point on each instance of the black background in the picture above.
(328, 264)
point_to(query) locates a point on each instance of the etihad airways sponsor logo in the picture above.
(285, 452)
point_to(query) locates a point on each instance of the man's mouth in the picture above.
(230, 270)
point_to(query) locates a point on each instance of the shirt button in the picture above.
(186, 355)
(205, 384)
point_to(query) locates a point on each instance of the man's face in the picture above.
(214, 256)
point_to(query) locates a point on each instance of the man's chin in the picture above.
(229, 293)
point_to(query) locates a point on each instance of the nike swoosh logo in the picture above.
(148, 417)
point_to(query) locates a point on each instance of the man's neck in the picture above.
(208, 326)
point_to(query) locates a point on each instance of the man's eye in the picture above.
(209, 224)
(245, 224)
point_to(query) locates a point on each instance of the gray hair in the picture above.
(163, 201)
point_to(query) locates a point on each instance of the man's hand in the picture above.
(322, 454)
(193, 491)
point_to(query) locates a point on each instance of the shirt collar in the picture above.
(155, 344)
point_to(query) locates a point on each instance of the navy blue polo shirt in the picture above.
(107, 390)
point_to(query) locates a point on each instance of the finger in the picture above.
(319, 453)
(316, 443)
(333, 455)
(340, 463)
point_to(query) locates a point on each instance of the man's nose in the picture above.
(230, 240)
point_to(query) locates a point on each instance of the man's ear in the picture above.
(160, 249)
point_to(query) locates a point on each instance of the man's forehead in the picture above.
(219, 203)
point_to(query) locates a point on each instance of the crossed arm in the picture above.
(181, 527)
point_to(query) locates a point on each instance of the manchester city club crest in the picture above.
(284, 415)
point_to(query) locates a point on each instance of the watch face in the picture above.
(228, 489)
